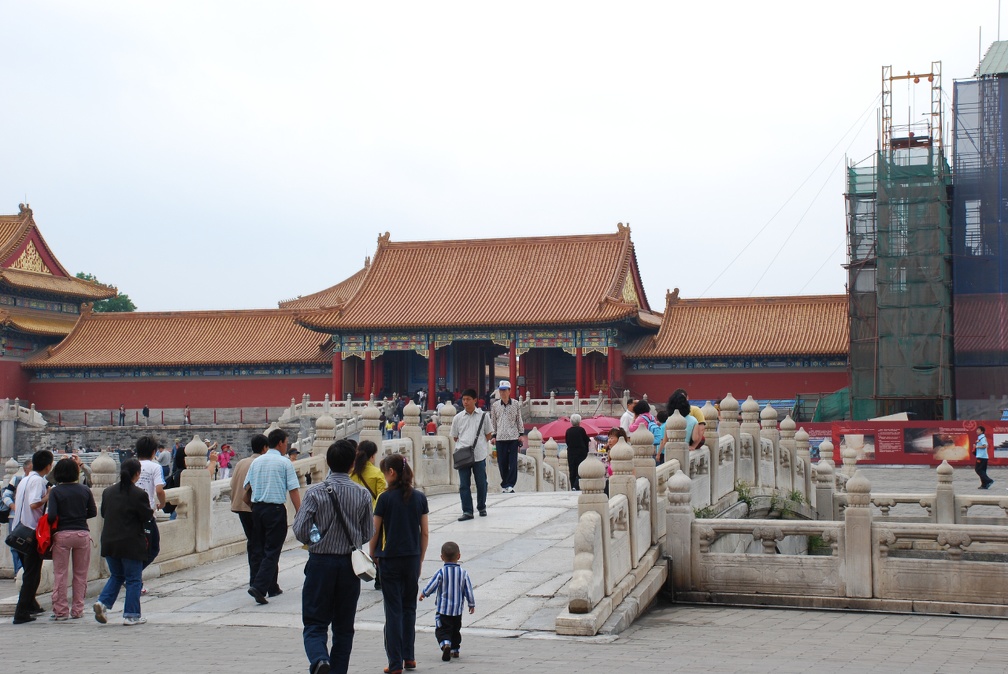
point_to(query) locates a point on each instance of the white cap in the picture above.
(504, 384)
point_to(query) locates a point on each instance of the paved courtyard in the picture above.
(520, 557)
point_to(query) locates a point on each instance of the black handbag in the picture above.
(464, 457)
(22, 539)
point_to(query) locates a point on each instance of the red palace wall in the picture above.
(197, 393)
(13, 380)
(713, 386)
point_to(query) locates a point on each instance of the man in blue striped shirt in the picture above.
(270, 479)
(453, 587)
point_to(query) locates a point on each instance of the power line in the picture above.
(811, 203)
(790, 198)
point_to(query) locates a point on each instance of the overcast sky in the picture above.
(214, 155)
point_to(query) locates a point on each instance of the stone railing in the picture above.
(943, 506)
(313, 409)
(859, 561)
(541, 468)
(553, 407)
(13, 410)
(744, 450)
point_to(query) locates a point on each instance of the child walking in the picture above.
(453, 587)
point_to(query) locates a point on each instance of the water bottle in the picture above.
(314, 535)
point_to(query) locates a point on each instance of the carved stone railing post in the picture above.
(644, 466)
(857, 537)
(711, 441)
(623, 481)
(552, 404)
(826, 453)
(592, 499)
(325, 433)
(370, 416)
(801, 442)
(104, 473)
(749, 449)
(552, 460)
(197, 477)
(446, 414)
(535, 452)
(849, 457)
(679, 531)
(676, 446)
(786, 459)
(825, 486)
(728, 424)
(11, 467)
(325, 404)
(768, 431)
(411, 430)
(944, 508)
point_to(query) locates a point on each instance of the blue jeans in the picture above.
(123, 572)
(329, 597)
(14, 553)
(465, 487)
(400, 577)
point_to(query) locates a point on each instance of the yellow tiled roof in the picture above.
(38, 322)
(330, 297)
(184, 338)
(748, 326)
(548, 280)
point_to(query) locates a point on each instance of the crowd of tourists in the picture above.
(364, 504)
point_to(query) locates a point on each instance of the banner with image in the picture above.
(918, 442)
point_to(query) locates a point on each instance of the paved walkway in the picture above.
(520, 557)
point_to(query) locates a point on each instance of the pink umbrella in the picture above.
(594, 426)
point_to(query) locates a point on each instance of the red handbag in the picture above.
(43, 536)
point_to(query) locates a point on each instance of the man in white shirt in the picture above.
(471, 428)
(628, 416)
(32, 496)
(151, 481)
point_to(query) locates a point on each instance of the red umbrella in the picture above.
(594, 426)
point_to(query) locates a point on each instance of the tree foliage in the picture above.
(120, 302)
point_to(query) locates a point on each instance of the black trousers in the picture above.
(574, 460)
(270, 523)
(448, 629)
(32, 563)
(252, 547)
(981, 471)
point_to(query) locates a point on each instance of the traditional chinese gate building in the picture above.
(39, 301)
(435, 314)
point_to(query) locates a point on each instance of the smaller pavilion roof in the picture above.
(331, 296)
(37, 322)
(748, 326)
(544, 280)
(184, 338)
(27, 263)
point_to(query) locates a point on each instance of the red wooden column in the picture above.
(337, 375)
(368, 375)
(579, 372)
(611, 367)
(431, 374)
(523, 370)
(513, 364)
(379, 373)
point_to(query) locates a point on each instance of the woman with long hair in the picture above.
(368, 475)
(126, 509)
(71, 505)
(401, 514)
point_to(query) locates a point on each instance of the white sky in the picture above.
(213, 155)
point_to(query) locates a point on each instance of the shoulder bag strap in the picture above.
(339, 516)
(479, 428)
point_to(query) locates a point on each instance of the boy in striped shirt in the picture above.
(453, 587)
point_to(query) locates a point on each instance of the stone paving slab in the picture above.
(201, 619)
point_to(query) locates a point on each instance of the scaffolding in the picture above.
(980, 232)
(899, 264)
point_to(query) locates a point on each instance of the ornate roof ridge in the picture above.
(510, 240)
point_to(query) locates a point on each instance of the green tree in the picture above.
(120, 302)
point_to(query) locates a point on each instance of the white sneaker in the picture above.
(99, 612)
(509, 490)
(134, 621)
